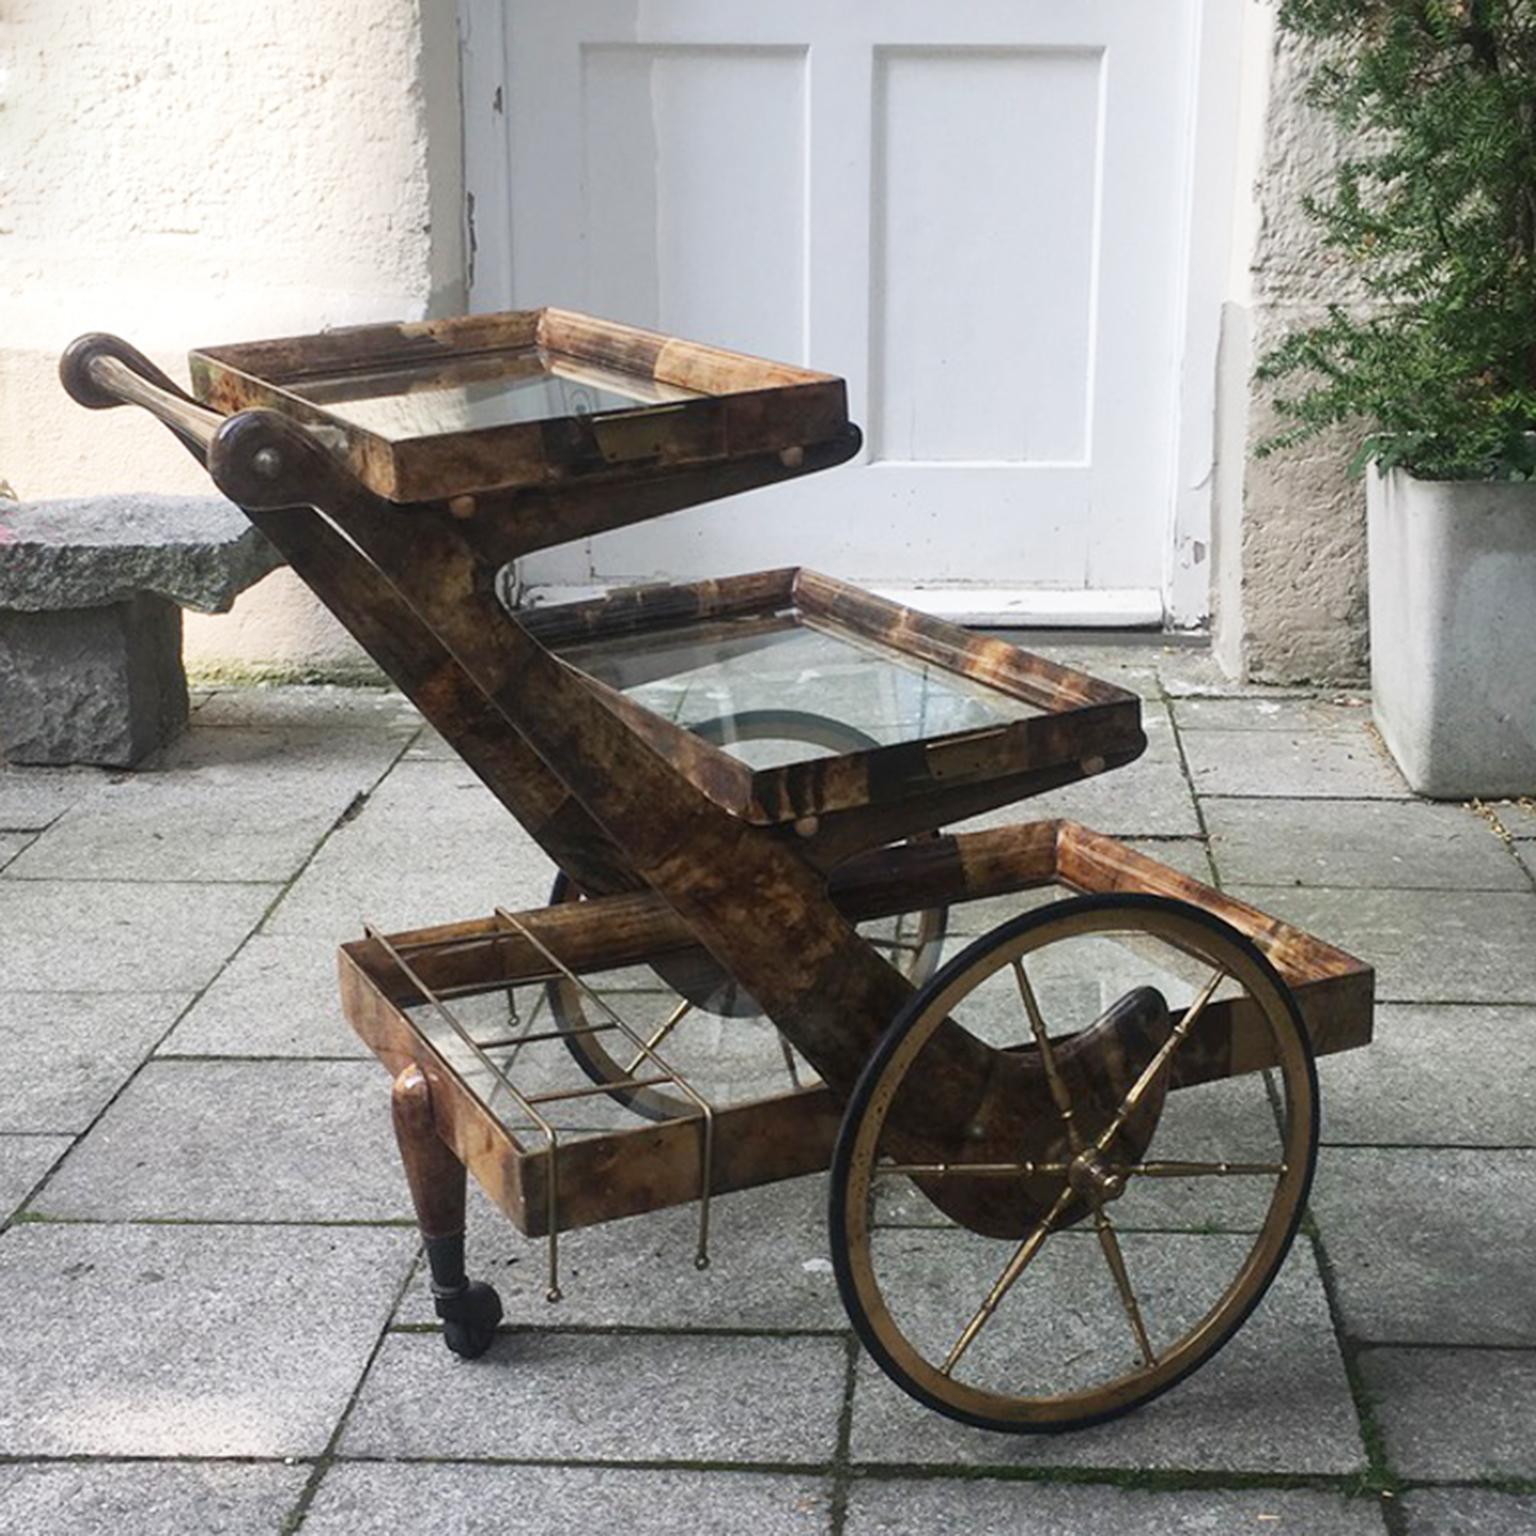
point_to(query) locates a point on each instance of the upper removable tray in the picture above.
(445, 408)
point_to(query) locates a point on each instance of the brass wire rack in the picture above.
(500, 1072)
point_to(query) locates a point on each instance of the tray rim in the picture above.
(742, 405)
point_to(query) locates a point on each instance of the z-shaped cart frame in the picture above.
(725, 879)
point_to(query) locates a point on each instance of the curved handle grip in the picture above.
(101, 371)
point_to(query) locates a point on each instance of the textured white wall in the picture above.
(183, 173)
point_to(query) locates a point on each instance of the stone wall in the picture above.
(1291, 594)
(186, 174)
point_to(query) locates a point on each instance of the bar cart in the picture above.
(1068, 1149)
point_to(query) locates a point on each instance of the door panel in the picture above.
(975, 212)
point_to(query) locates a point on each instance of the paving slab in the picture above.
(229, 804)
(23, 1161)
(604, 1397)
(1274, 1400)
(1397, 844)
(1426, 946)
(105, 1498)
(769, 1267)
(972, 918)
(431, 845)
(1189, 672)
(67, 1053)
(239, 1141)
(985, 1507)
(1147, 798)
(1526, 853)
(1436, 1075)
(1455, 1413)
(76, 936)
(1467, 1512)
(12, 843)
(1432, 1247)
(1292, 765)
(469, 1500)
(33, 798)
(325, 707)
(187, 1340)
(277, 997)
(1344, 713)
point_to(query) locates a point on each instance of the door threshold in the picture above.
(1131, 608)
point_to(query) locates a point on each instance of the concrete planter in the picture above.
(1453, 632)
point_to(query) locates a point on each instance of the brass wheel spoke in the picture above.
(665, 1028)
(969, 1170)
(1059, 1094)
(1173, 1169)
(1109, 1241)
(1015, 1267)
(1160, 1063)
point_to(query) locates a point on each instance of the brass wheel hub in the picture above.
(1090, 1175)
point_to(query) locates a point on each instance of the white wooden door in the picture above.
(977, 211)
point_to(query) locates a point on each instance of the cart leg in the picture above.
(470, 1309)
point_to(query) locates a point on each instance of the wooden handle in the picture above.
(114, 377)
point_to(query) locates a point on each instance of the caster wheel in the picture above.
(469, 1319)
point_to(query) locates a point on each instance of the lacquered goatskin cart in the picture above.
(1066, 1094)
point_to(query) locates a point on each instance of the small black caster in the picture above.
(470, 1316)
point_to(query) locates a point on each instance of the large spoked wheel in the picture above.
(704, 994)
(1116, 1235)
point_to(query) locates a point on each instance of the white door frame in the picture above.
(1211, 139)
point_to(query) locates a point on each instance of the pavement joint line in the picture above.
(1388, 890)
(30, 1218)
(98, 991)
(1379, 1474)
(1477, 1346)
(284, 887)
(326, 1459)
(1077, 1232)
(1428, 1146)
(1406, 798)
(132, 880)
(194, 1058)
(142, 1458)
(341, 820)
(639, 1331)
(1456, 1002)
(1155, 1480)
(842, 1457)
(1189, 781)
(119, 880)
(1147, 1479)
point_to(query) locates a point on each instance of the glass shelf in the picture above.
(788, 688)
(427, 399)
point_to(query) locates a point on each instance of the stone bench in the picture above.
(91, 593)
